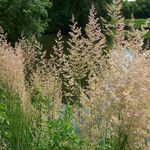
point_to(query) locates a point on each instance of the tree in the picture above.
(62, 12)
(23, 16)
(140, 9)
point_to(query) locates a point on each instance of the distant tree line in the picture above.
(48, 16)
(38, 16)
(24, 16)
(139, 9)
(62, 11)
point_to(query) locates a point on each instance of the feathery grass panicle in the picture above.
(117, 105)
(60, 65)
(49, 87)
(95, 41)
(77, 62)
(58, 58)
(130, 83)
(135, 37)
(33, 57)
(114, 105)
(115, 25)
(12, 69)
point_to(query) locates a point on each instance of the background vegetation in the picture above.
(24, 17)
(48, 16)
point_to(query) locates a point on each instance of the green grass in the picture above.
(14, 125)
(19, 132)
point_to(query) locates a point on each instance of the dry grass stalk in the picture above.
(95, 41)
(12, 69)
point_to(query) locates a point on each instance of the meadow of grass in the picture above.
(91, 93)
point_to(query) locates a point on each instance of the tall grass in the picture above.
(92, 93)
(15, 130)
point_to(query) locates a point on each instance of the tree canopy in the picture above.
(23, 16)
(48, 16)
(62, 12)
(139, 9)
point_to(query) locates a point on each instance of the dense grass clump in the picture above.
(15, 130)
(92, 93)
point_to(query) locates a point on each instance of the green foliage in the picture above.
(62, 11)
(55, 133)
(15, 131)
(23, 16)
(139, 9)
(138, 22)
(106, 143)
(63, 133)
